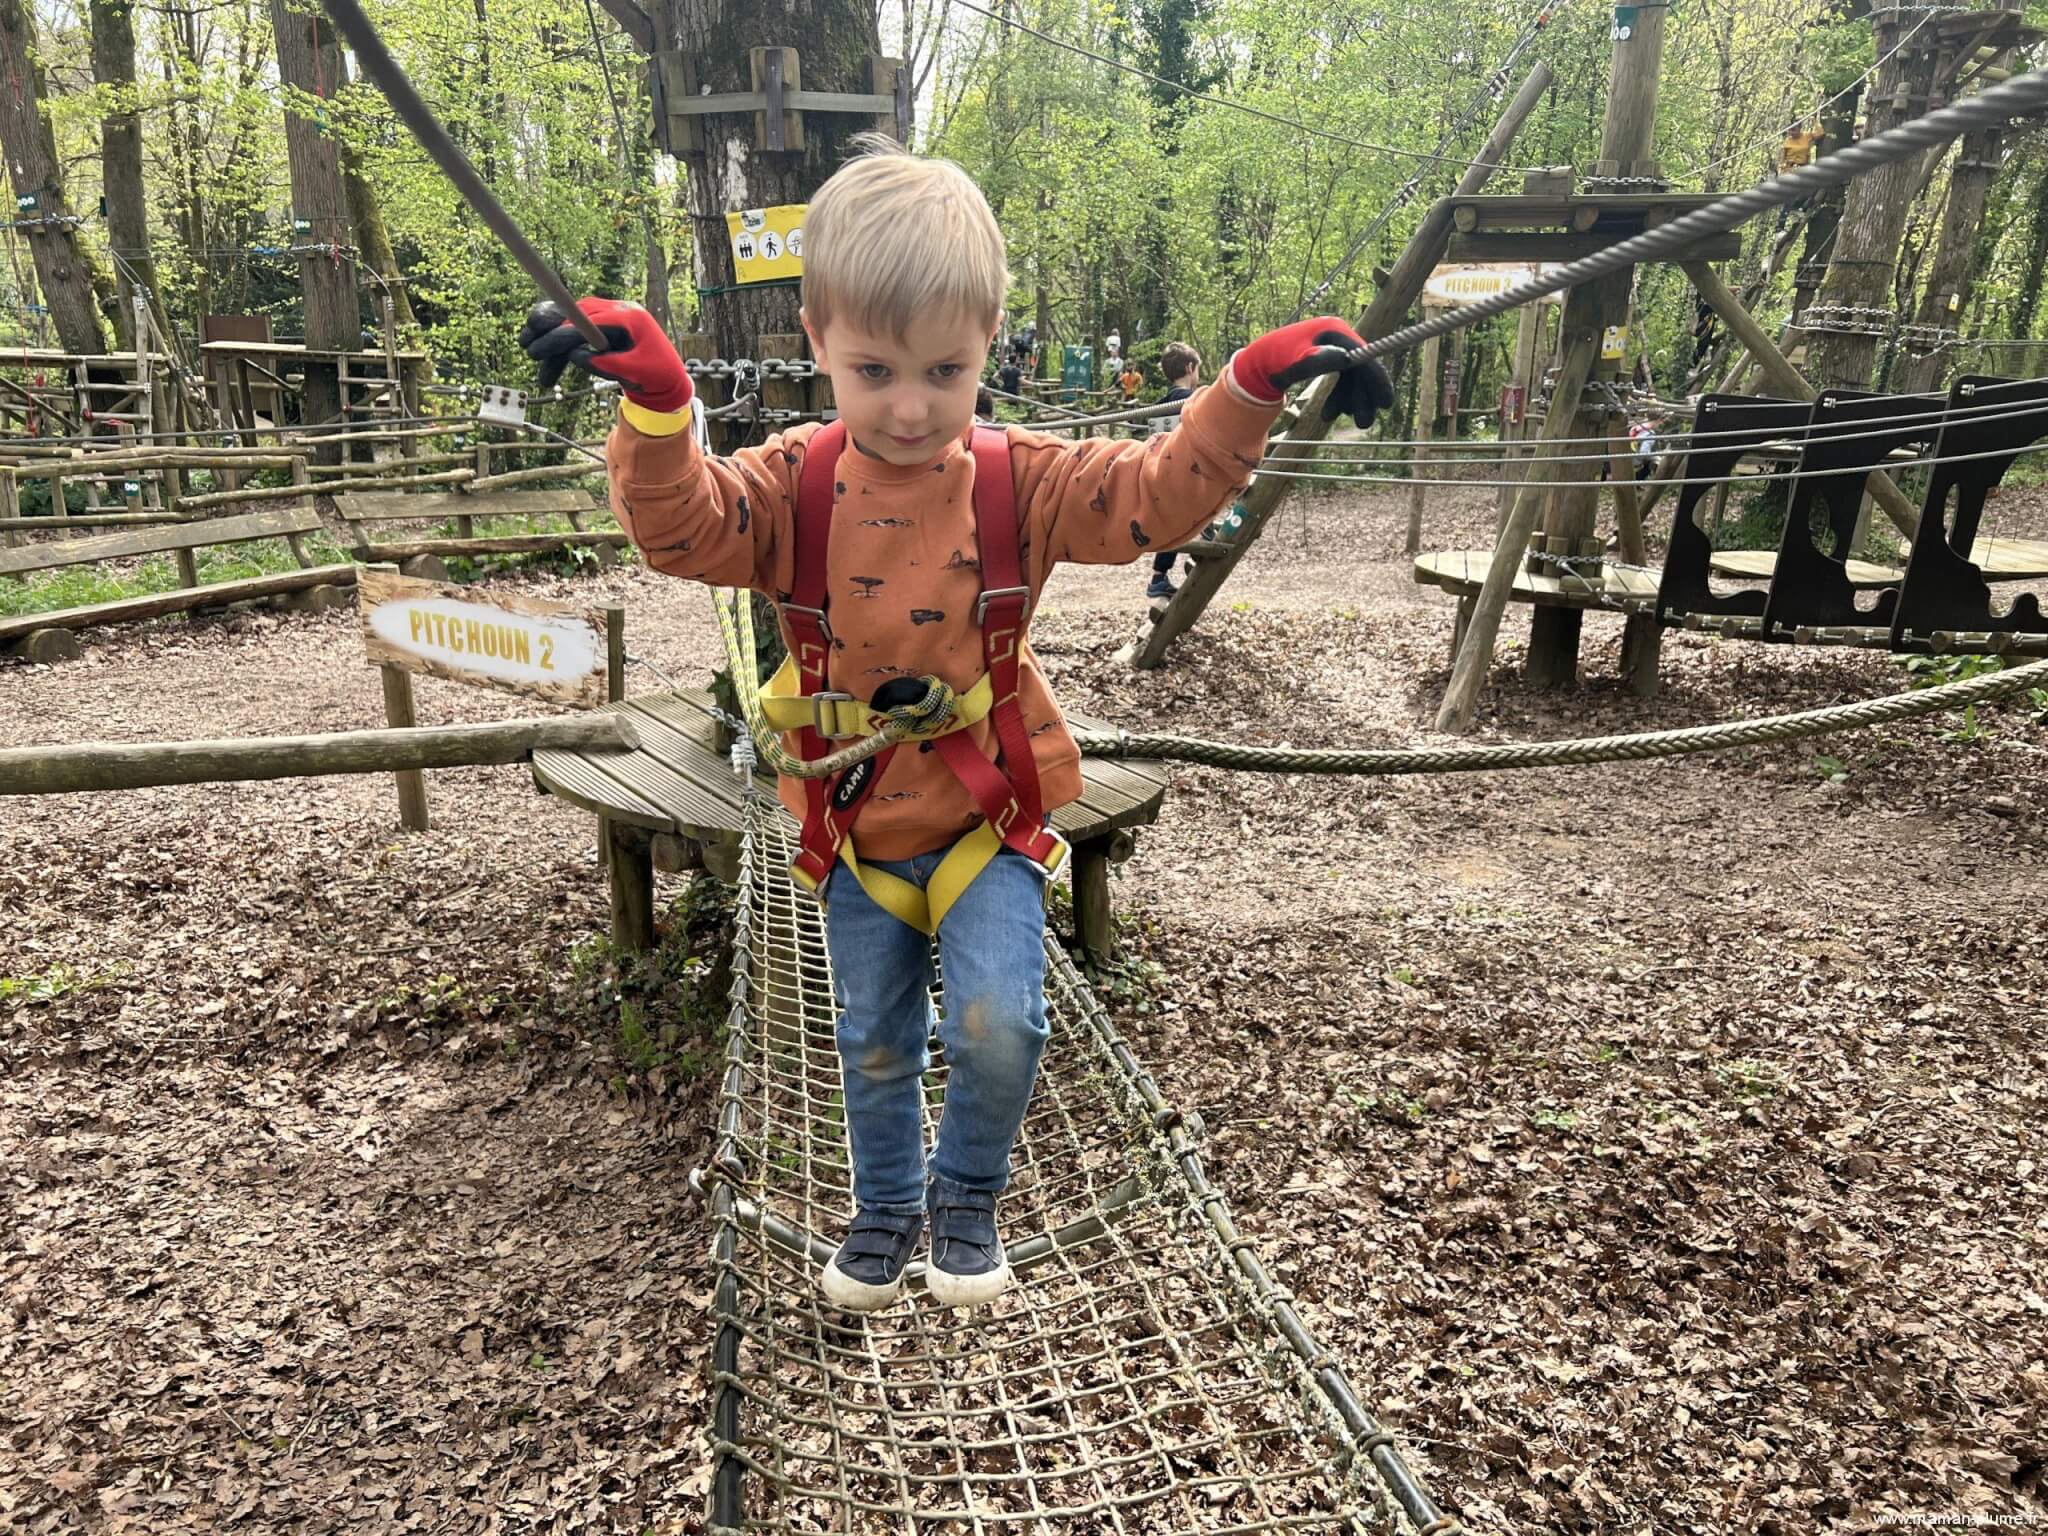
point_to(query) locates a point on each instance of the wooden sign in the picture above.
(1448, 287)
(522, 645)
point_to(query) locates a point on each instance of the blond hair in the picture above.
(890, 237)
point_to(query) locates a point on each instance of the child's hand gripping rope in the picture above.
(1280, 359)
(637, 353)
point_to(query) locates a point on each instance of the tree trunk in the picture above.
(307, 60)
(1855, 296)
(2034, 265)
(834, 40)
(61, 265)
(1953, 273)
(113, 69)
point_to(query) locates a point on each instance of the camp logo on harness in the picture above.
(852, 783)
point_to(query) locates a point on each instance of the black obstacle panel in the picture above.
(1991, 422)
(1731, 428)
(1851, 433)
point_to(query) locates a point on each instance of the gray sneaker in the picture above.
(866, 1274)
(968, 1267)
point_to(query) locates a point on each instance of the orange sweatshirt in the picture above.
(903, 569)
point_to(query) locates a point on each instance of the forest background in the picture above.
(1159, 210)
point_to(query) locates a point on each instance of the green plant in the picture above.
(1833, 769)
(60, 980)
(1933, 671)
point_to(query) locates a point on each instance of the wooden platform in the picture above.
(1759, 564)
(674, 804)
(1463, 572)
(1630, 593)
(2000, 559)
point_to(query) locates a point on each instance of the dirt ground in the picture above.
(1661, 1146)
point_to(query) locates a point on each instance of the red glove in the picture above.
(636, 353)
(1267, 368)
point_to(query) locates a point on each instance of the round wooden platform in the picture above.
(1758, 564)
(675, 802)
(2000, 559)
(1463, 572)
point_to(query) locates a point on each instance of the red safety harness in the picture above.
(1005, 791)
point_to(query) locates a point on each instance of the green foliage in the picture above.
(81, 585)
(47, 986)
(665, 1011)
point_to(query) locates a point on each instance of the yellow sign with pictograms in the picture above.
(767, 242)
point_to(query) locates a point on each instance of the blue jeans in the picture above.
(994, 1030)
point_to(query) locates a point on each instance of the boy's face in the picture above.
(904, 398)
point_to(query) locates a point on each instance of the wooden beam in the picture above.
(636, 23)
(1782, 376)
(154, 605)
(97, 765)
(1557, 245)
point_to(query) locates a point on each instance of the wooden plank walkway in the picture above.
(675, 804)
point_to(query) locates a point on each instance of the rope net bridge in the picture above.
(1143, 1374)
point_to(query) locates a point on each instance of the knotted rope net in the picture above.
(1144, 1374)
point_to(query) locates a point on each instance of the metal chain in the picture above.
(1848, 319)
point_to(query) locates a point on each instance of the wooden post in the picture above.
(614, 690)
(398, 713)
(1569, 524)
(1396, 297)
(1779, 373)
(1092, 924)
(1580, 348)
(10, 506)
(631, 870)
(1428, 390)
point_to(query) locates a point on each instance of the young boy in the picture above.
(1182, 365)
(903, 596)
(1131, 381)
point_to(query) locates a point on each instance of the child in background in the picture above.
(909, 562)
(1131, 381)
(1182, 365)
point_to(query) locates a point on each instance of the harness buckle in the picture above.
(824, 624)
(981, 604)
(1062, 849)
(819, 701)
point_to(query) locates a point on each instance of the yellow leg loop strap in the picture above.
(925, 909)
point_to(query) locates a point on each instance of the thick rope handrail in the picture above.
(2024, 95)
(735, 623)
(1578, 751)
